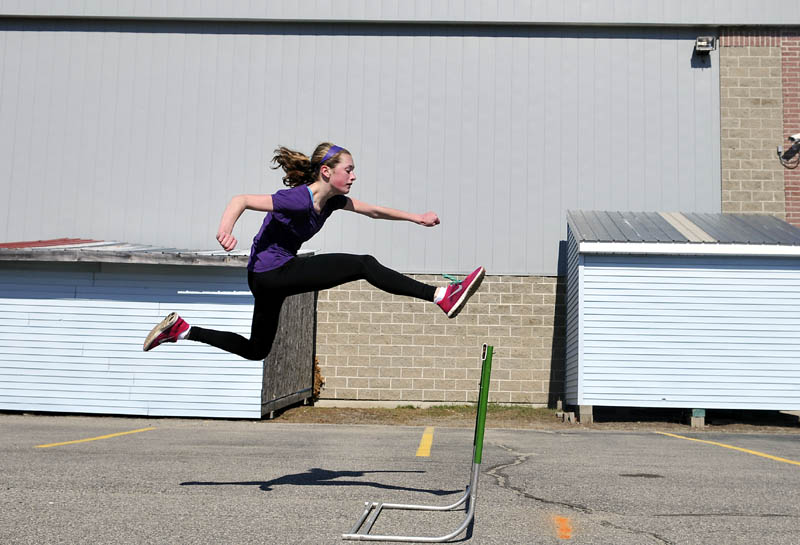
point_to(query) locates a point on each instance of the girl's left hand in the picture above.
(428, 219)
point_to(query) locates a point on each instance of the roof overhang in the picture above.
(662, 248)
(144, 258)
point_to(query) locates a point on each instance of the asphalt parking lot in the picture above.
(218, 482)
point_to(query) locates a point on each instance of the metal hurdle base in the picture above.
(360, 532)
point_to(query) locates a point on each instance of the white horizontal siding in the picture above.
(700, 332)
(71, 341)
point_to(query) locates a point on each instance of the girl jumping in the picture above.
(318, 187)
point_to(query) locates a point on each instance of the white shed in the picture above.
(695, 311)
(74, 315)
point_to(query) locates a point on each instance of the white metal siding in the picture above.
(71, 341)
(648, 12)
(141, 131)
(572, 364)
(699, 332)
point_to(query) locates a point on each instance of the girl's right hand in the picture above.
(428, 219)
(226, 240)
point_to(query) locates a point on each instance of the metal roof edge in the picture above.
(690, 248)
(142, 258)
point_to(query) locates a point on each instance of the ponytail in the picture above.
(299, 169)
(296, 165)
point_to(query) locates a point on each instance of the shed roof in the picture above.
(95, 251)
(596, 226)
(676, 232)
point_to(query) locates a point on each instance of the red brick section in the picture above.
(45, 243)
(790, 75)
(750, 37)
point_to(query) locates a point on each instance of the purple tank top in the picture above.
(292, 221)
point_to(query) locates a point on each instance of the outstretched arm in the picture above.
(428, 219)
(234, 210)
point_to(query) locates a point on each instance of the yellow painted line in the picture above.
(425, 443)
(109, 436)
(748, 451)
(563, 527)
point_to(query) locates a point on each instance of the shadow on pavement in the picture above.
(714, 417)
(324, 477)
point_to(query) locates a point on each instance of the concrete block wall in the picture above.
(378, 348)
(751, 97)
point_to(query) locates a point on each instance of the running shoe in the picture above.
(168, 331)
(458, 292)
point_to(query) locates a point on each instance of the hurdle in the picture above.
(375, 508)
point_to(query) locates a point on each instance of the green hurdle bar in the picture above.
(360, 531)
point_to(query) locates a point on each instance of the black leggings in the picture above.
(301, 275)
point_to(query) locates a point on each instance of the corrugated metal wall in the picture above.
(691, 332)
(141, 130)
(620, 12)
(71, 341)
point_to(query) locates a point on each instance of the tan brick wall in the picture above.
(751, 125)
(377, 347)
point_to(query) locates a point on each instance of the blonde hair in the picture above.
(300, 169)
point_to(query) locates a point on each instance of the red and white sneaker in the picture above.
(168, 331)
(458, 292)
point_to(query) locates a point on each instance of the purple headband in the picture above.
(331, 152)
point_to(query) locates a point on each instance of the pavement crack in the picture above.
(736, 515)
(653, 535)
(503, 481)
